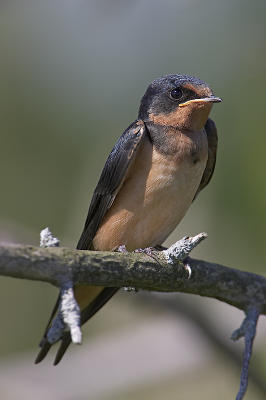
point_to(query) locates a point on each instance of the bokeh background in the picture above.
(71, 76)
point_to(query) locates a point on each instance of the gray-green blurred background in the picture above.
(72, 73)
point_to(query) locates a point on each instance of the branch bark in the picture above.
(60, 265)
(170, 270)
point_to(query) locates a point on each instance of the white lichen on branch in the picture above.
(47, 239)
(70, 311)
(68, 316)
(181, 249)
(179, 252)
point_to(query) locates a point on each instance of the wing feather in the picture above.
(212, 137)
(111, 179)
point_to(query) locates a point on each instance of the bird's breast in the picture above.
(154, 197)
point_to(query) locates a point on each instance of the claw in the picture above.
(149, 251)
(121, 249)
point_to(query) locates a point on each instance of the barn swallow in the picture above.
(154, 172)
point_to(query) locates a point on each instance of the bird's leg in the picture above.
(149, 251)
(121, 249)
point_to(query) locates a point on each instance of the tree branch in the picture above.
(170, 270)
(61, 265)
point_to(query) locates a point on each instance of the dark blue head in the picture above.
(175, 100)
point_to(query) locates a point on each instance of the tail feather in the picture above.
(66, 340)
(45, 347)
(86, 314)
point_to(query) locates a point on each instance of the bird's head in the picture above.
(181, 101)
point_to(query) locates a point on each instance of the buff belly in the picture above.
(153, 199)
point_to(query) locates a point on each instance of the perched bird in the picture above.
(152, 175)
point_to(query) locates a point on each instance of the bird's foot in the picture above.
(149, 251)
(121, 249)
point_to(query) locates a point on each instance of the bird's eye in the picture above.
(176, 93)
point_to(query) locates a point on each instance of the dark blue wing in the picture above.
(112, 176)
